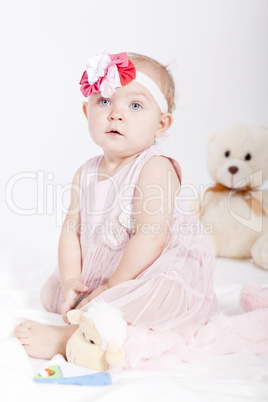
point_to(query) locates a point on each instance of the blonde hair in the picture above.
(159, 73)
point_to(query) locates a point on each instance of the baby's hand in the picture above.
(71, 290)
(92, 295)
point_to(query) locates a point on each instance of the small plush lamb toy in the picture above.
(98, 342)
(104, 341)
(235, 208)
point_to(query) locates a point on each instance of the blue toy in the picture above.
(53, 375)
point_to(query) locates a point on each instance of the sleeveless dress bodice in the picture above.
(177, 289)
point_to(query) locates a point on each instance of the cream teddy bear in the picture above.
(235, 208)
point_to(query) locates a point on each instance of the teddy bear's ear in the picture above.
(212, 137)
(75, 316)
(115, 354)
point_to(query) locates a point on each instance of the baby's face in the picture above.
(126, 123)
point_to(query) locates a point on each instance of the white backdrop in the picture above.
(218, 53)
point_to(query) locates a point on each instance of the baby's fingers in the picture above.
(80, 287)
(83, 302)
(66, 306)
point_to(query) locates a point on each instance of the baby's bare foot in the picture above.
(44, 341)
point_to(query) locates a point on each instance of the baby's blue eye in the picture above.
(105, 102)
(135, 106)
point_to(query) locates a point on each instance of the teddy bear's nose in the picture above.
(233, 169)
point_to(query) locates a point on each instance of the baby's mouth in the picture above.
(113, 132)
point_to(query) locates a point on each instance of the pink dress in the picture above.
(176, 290)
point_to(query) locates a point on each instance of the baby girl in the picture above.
(122, 239)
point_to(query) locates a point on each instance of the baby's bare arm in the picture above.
(153, 206)
(69, 251)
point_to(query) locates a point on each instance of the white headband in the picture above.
(106, 72)
(154, 89)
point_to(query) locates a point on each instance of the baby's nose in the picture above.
(116, 115)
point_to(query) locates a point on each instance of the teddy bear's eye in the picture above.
(227, 153)
(92, 341)
(247, 157)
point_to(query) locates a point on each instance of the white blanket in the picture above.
(233, 378)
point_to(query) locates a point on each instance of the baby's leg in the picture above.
(44, 341)
(161, 306)
(160, 303)
(51, 294)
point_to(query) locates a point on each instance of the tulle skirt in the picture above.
(176, 291)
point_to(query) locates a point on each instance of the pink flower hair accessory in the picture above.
(105, 72)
